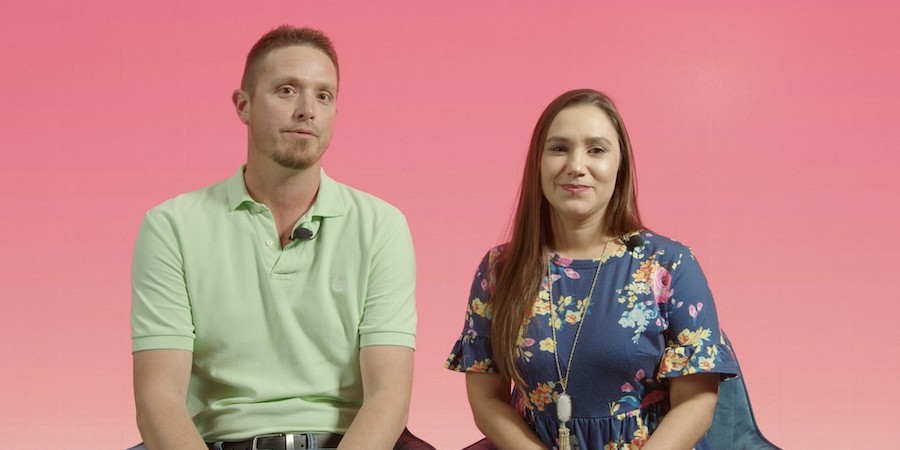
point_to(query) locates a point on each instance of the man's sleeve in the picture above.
(160, 307)
(389, 317)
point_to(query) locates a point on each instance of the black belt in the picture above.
(282, 441)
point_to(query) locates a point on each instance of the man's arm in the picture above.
(160, 390)
(387, 372)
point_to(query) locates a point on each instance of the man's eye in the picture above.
(286, 90)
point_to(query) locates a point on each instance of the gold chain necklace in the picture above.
(564, 401)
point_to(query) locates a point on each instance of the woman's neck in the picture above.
(584, 240)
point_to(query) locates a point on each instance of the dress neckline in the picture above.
(562, 261)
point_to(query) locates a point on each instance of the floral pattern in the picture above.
(651, 318)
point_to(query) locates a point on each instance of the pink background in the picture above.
(762, 131)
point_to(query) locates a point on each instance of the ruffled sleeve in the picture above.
(694, 341)
(472, 351)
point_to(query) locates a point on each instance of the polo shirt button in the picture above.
(269, 242)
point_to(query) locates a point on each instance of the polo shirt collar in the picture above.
(329, 201)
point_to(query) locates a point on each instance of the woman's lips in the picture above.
(574, 188)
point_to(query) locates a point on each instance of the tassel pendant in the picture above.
(563, 414)
(564, 443)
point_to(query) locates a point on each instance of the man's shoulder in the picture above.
(362, 202)
(212, 195)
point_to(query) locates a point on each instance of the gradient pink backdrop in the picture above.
(764, 134)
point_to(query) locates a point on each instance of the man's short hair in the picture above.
(284, 36)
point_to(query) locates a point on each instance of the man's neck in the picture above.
(288, 193)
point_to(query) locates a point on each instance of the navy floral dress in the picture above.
(651, 318)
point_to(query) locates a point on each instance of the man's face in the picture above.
(290, 113)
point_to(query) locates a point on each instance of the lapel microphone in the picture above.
(302, 234)
(632, 242)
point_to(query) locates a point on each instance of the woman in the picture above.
(601, 327)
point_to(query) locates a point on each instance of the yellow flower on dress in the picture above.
(547, 345)
(646, 270)
(480, 308)
(706, 364)
(544, 294)
(703, 334)
(613, 407)
(690, 338)
(563, 302)
(573, 317)
(542, 395)
(482, 366)
(641, 434)
(555, 322)
(583, 304)
(673, 362)
(540, 308)
(687, 337)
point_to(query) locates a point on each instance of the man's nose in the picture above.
(304, 108)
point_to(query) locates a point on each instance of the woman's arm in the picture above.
(693, 399)
(495, 417)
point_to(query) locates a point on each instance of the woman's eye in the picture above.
(597, 150)
(557, 149)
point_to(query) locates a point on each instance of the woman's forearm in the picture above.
(504, 427)
(693, 399)
(490, 401)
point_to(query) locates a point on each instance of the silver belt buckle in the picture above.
(288, 440)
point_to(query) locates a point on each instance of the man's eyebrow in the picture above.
(296, 81)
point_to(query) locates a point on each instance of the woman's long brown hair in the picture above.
(522, 265)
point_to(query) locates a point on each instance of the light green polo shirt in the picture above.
(275, 333)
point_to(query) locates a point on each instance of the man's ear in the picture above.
(241, 105)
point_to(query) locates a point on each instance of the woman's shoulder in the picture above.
(652, 243)
(493, 255)
(490, 258)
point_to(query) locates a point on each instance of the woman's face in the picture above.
(579, 163)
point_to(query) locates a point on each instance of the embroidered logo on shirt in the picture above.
(339, 284)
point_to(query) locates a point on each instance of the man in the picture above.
(278, 301)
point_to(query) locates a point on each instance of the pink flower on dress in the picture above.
(565, 262)
(661, 285)
(627, 387)
(693, 311)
